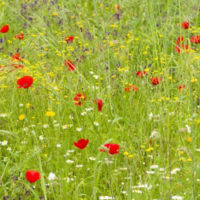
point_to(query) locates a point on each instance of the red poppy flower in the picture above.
(183, 47)
(178, 49)
(180, 87)
(78, 99)
(113, 148)
(25, 82)
(150, 141)
(118, 7)
(32, 176)
(99, 103)
(20, 36)
(70, 66)
(131, 88)
(81, 144)
(155, 80)
(141, 74)
(16, 57)
(4, 29)
(195, 39)
(179, 39)
(185, 25)
(69, 39)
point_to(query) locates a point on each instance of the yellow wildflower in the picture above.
(189, 139)
(125, 153)
(54, 14)
(22, 117)
(50, 114)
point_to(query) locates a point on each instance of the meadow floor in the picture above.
(99, 100)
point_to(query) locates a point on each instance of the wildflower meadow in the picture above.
(100, 100)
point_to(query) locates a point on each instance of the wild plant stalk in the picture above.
(193, 143)
(110, 174)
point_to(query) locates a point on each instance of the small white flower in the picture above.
(4, 143)
(146, 186)
(69, 161)
(155, 135)
(154, 167)
(3, 115)
(25, 129)
(83, 113)
(51, 176)
(88, 109)
(96, 123)
(91, 72)
(9, 149)
(65, 126)
(123, 169)
(21, 105)
(70, 151)
(162, 169)
(150, 116)
(175, 170)
(92, 158)
(79, 129)
(41, 137)
(96, 76)
(56, 125)
(177, 197)
(67, 154)
(79, 166)
(105, 198)
(69, 179)
(58, 145)
(150, 172)
(45, 126)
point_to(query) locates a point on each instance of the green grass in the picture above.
(107, 53)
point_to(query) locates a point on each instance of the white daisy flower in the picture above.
(176, 197)
(96, 123)
(105, 198)
(79, 129)
(92, 158)
(45, 126)
(4, 143)
(69, 161)
(58, 145)
(3, 115)
(51, 176)
(41, 137)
